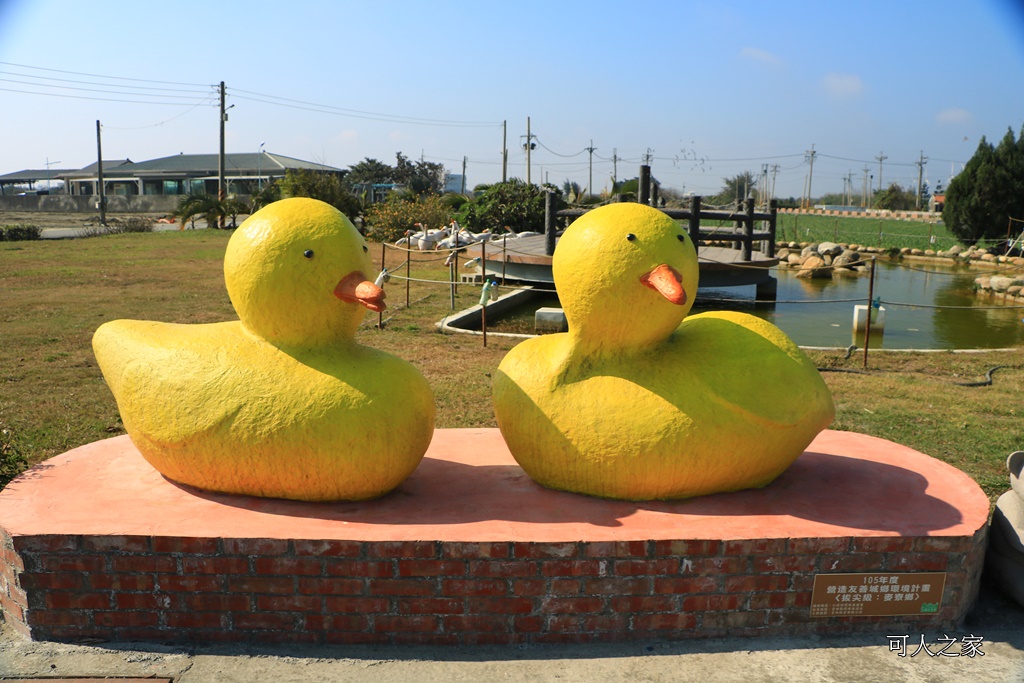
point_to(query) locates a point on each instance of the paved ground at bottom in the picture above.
(851, 659)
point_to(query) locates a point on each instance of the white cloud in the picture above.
(843, 86)
(953, 115)
(346, 135)
(759, 55)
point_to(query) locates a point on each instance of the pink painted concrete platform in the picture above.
(96, 543)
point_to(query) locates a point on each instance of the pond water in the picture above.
(928, 306)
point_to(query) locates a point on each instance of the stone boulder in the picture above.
(829, 249)
(814, 267)
(847, 258)
(955, 250)
(1000, 283)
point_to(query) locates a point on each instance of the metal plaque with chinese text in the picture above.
(877, 595)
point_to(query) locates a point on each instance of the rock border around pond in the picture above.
(823, 259)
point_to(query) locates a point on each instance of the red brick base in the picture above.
(65, 586)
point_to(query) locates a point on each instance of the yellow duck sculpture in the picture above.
(635, 403)
(282, 403)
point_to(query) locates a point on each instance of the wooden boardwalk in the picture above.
(524, 259)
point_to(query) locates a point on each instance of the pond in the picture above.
(928, 306)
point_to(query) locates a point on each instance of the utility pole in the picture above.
(920, 172)
(849, 185)
(763, 183)
(221, 189)
(864, 188)
(463, 191)
(775, 171)
(99, 166)
(529, 147)
(590, 181)
(615, 167)
(809, 156)
(881, 157)
(504, 151)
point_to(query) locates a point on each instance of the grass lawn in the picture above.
(53, 295)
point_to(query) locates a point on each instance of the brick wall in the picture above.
(68, 588)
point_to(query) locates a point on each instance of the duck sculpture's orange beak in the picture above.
(354, 288)
(667, 281)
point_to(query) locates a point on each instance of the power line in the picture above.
(117, 78)
(71, 80)
(566, 156)
(355, 113)
(98, 99)
(108, 92)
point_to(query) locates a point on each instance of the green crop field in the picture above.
(871, 232)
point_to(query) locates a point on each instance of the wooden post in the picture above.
(383, 258)
(550, 232)
(451, 276)
(644, 195)
(694, 226)
(867, 322)
(408, 274)
(483, 260)
(504, 257)
(748, 230)
(773, 214)
(483, 321)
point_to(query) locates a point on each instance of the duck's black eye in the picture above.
(366, 248)
(308, 253)
(680, 238)
(631, 237)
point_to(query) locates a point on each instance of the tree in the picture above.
(512, 204)
(323, 185)
(736, 189)
(420, 177)
(233, 206)
(370, 172)
(982, 198)
(194, 206)
(268, 195)
(895, 198)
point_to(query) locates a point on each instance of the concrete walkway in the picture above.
(852, 659)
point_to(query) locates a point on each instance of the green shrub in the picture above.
(512, 204)
(20, 232)
(389, 220)
(116, 226)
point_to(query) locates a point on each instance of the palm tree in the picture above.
(206, 206)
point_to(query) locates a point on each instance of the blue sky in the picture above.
(708, 89)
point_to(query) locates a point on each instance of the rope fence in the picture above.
(489, 286)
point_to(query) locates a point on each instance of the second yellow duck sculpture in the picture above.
(282, 403)
(636, 403)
